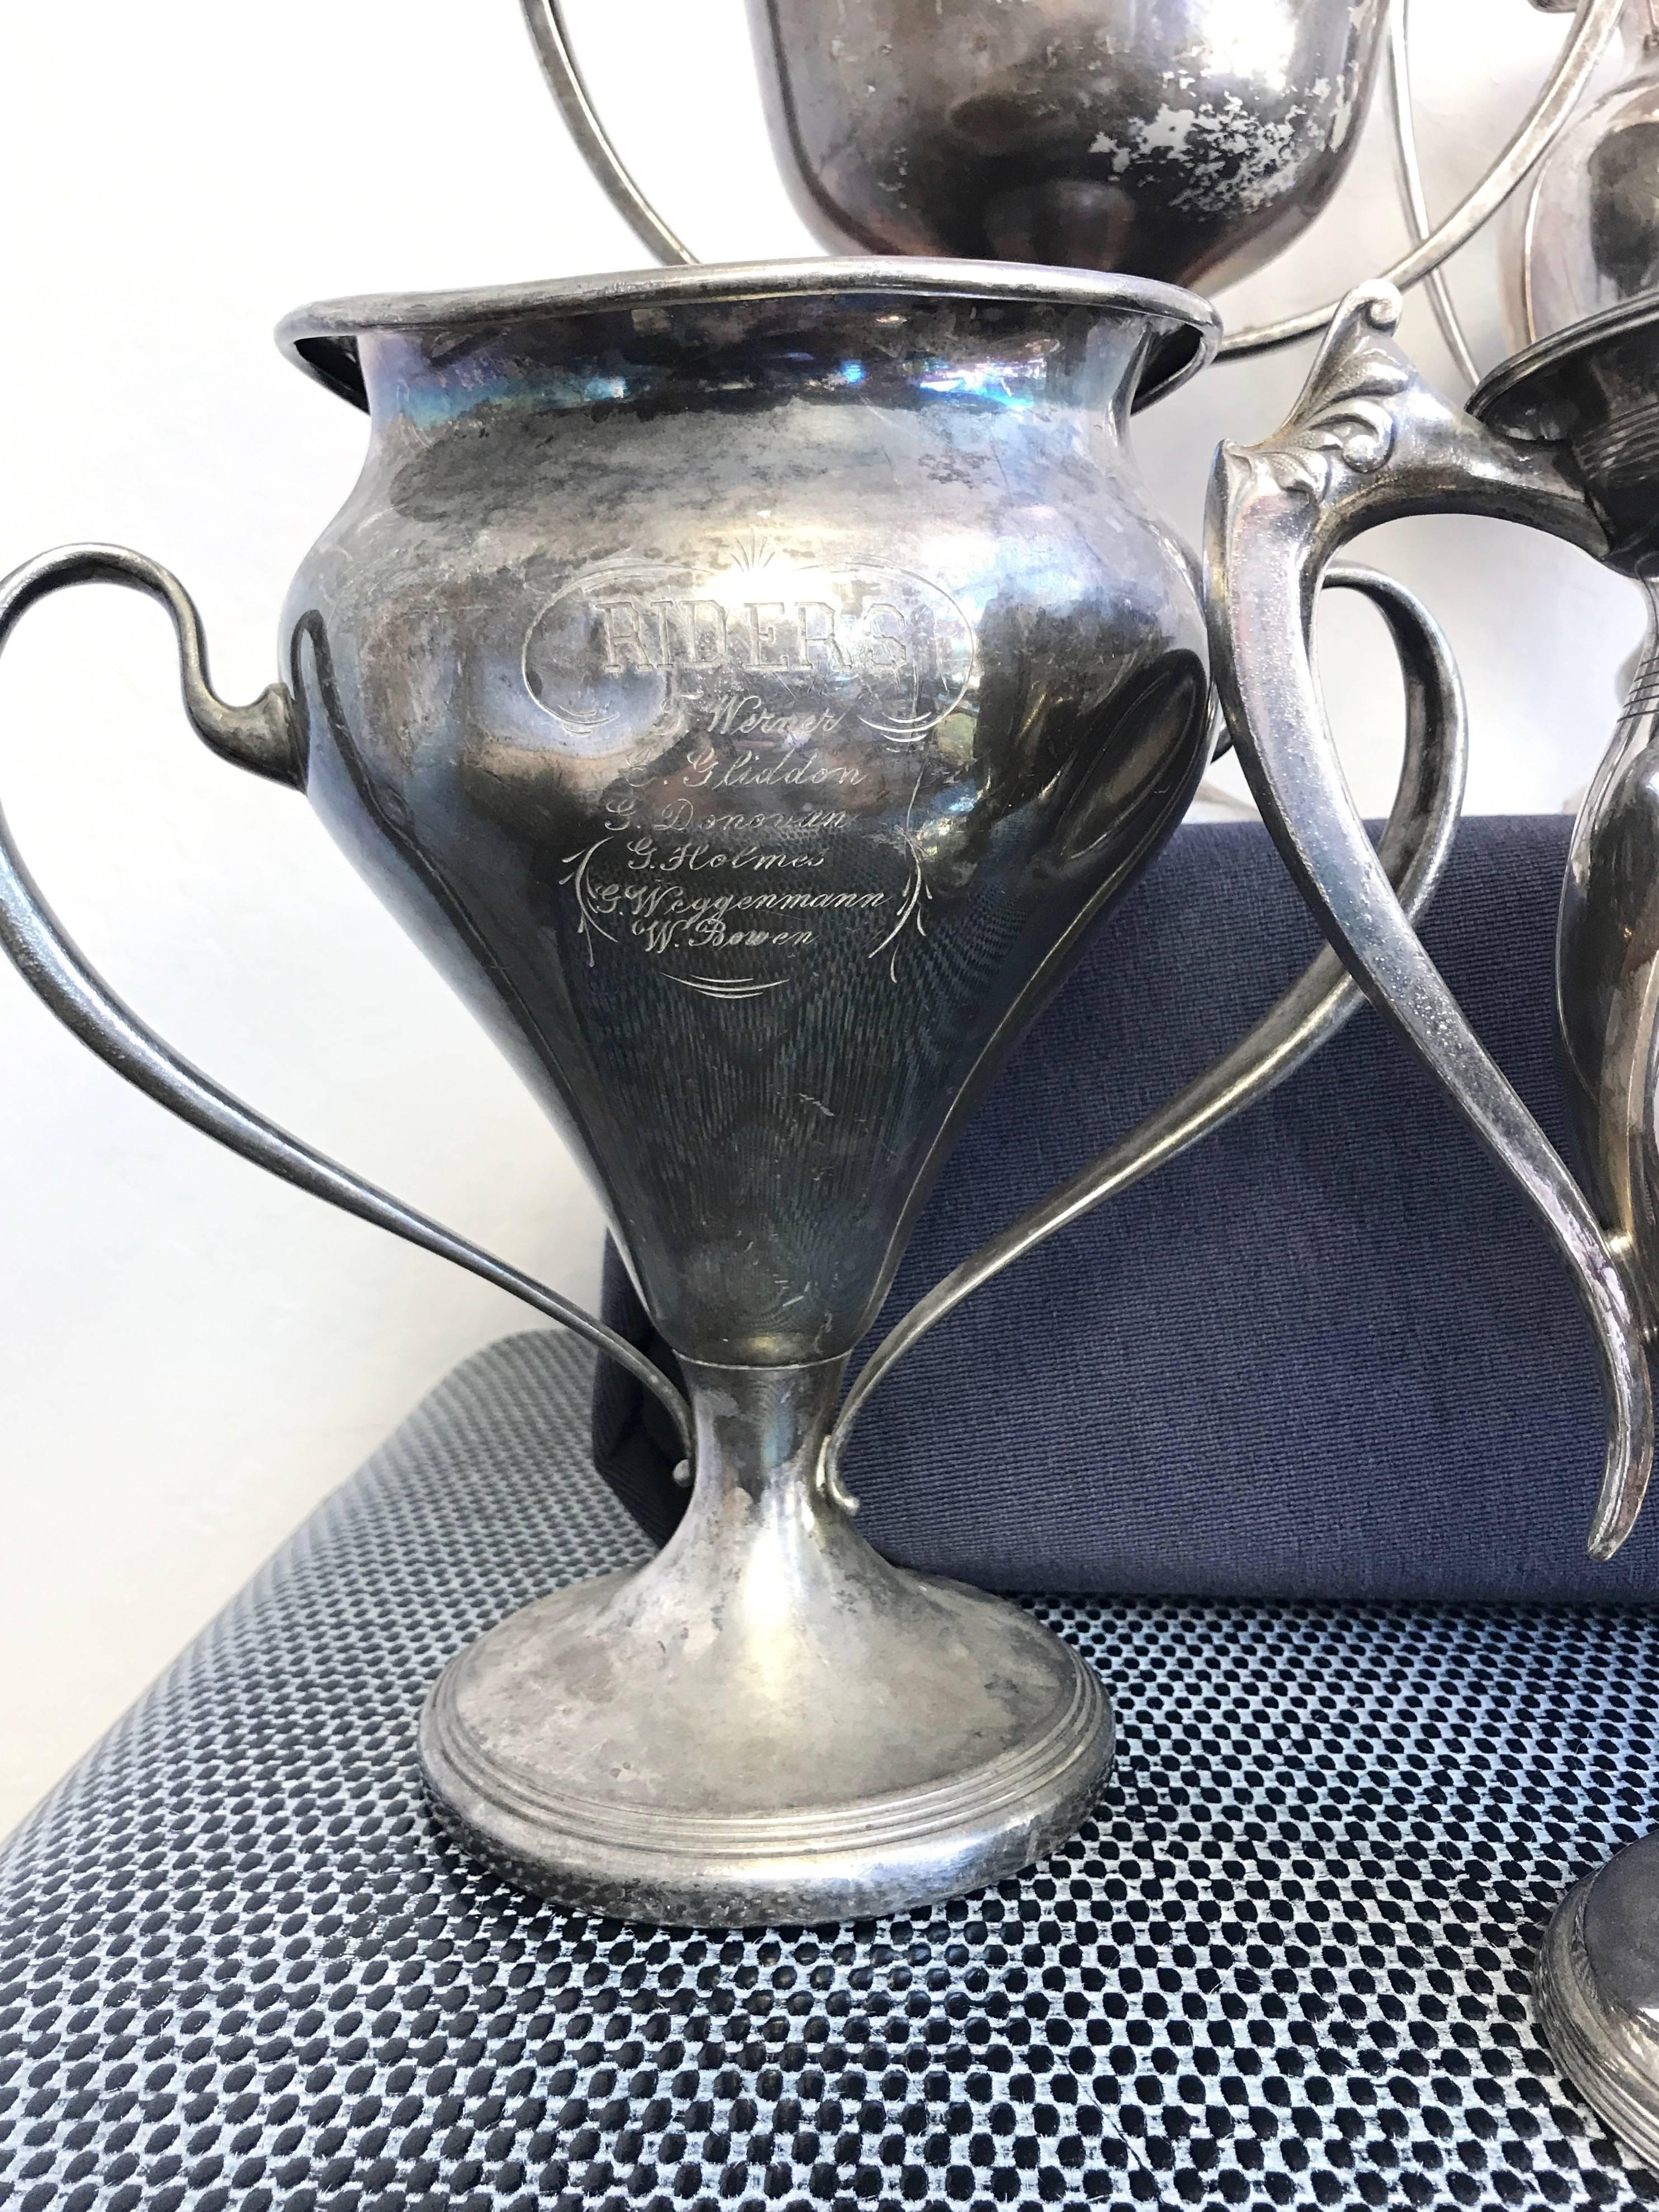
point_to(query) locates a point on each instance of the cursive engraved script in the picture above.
(761, 717)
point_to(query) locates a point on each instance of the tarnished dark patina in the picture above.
(1185, 139)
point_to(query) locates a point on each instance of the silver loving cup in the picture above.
(1564, 436)
(748, 684)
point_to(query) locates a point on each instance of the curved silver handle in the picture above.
(1409, 175)
(1415, 846)
(1369, 440)
(267, 738)
(554, 51)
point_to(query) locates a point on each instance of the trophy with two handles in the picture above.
(749, 684)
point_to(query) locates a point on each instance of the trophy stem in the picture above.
(758, 1506)
(768, 1721)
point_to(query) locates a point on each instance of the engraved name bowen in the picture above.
(664, 917)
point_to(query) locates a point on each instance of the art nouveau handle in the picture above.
(266, 737)
(1368, 441)
(1415, 844)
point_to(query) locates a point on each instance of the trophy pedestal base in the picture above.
(618, 1749)
(769, 1723)
(1598, 1993)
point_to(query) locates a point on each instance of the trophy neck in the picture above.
(759, 1434)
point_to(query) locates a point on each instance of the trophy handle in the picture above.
(268, 737)
(1594, 22)
(1369, 440)
(1414, 848)
(546, 24)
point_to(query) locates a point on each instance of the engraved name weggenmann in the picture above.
(775, 720)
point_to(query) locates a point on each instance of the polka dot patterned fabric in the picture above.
(1285, 1964)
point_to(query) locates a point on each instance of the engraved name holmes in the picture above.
(628, 650)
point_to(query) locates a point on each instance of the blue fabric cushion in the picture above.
(1329, 1353)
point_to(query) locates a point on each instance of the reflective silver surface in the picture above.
(748, 696)
(1598, 1993)
(1259, 34)
(1578, 455)
(768, 1723)
(1185, 139)
(1589, 228)
(747, 685)
(1590, 393)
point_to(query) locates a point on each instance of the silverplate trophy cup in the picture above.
(748, 685)
(1587, 385)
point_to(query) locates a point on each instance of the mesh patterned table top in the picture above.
(1287, 1963)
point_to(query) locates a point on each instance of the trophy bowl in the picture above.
(748, 684)
(1190, 140)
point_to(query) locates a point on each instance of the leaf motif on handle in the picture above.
(1353, 428)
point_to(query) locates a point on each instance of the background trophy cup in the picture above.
(748, 685)
(1186, 140)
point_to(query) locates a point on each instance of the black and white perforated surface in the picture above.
(1286, 1964)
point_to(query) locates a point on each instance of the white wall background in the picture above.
(191, 1355)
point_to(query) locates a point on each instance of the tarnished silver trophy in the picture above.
(748, 684)
(1186, 140)
(1588, 384)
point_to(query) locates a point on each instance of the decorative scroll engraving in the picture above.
(1353, 428)
(911, 909)
(767, 648)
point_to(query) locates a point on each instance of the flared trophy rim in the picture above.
(322, 339)
(1528, 396)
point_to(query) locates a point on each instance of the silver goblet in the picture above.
(748, 685)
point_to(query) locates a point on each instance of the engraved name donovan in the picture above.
(767, 649)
